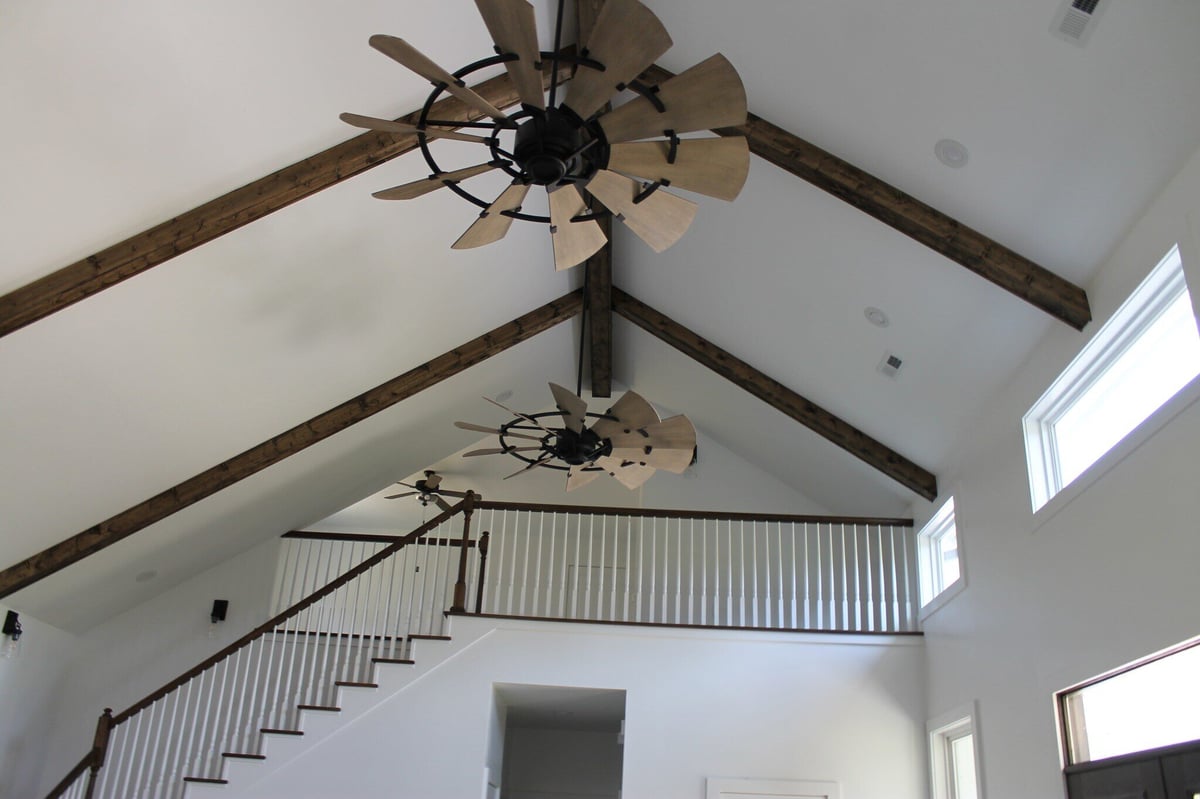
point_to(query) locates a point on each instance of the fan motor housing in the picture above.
(547, 145)
(579, 448)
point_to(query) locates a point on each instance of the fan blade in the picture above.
(709, 95)
(574, 242)
(398, 496)
(388, 126)
(432, 481)
(668, 445)
(538, 462)
(445, 492)
(520, 415)
(442, 504)
(579, 476)
(660, 219)
(627, 38)
(492, 225)
(627, 473)
(713, 167)
(418, 188)
(399, 50)
(513, 27)
(496, 451)
(631, 411)
(574, 409)
(478, 428)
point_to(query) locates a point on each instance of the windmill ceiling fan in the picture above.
(628, 441)
(580, 143)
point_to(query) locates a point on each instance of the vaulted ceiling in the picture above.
(122, 116)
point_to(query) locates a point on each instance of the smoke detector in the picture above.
(1076, 19)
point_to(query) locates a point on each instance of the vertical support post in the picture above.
(99, 749)
(460, 586)
(483, 550)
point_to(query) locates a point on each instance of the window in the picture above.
(1147, 352)
(953, 754)
(938, 557)
(1145, 705)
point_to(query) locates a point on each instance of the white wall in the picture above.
(117, 663)
(541, 763)
(1086, 584)
(29, 685)
(698, 704)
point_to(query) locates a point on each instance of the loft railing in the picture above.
(345, 621)
(351, 601)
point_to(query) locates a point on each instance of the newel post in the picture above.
(104, 726)
(460, 586)
(483, 550)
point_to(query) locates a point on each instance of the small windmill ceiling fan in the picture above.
(580, 142)
(428, 490)
(628, 441)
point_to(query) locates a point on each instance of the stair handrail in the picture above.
(679, 513)
(94, 759)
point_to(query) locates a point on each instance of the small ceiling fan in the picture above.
(428, 489)
(580, 142)
(628, 442)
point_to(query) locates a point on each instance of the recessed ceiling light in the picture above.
(951, 153)
(146, 576)
(876, 316)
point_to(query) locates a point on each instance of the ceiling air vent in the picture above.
(1076, 19)
(889, 365)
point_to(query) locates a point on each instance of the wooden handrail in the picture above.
(72, 775)
(370, 538)
(691, 514)
(312, 598)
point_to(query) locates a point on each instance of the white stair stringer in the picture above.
(355, 702)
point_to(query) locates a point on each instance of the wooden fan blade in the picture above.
(627, 473)
(520, 415)
(536, 463)
(497, 451)
(401, 51)
(574, 409)
(669, 444)
(579, 476)
(574, 242)
(627, 38)
(398, 496)
(632, 411)
(713, 167)
(418, 188)
(442, 504)
(478, 428)
(660, 220)
(513, 27)
(432, 481)
(492, 225)
(388, 126)
(709, 95)
(445, 492)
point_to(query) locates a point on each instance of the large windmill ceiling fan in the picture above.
(628, 442)
(623, 157)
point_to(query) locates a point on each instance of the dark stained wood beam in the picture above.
(1015, 273)
(777, 395)
(215, 218)
(287, 443)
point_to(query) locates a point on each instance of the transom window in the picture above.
(1138, 360)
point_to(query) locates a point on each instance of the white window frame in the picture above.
(1139, 312)
(943, 731)
(935, 592)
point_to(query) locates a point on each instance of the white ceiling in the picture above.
(123, 114)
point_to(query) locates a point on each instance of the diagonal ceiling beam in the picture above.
(229, 212)
(287, 444)
(777, 395)
(988, 259)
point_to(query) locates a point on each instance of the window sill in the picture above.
(941, 600)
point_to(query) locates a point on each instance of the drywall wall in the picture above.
(698, 704)
(30, 681)
(1101, 576)
(122, 660)
(541, 763)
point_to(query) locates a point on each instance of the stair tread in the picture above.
(243, 755)
(330, 708)
(342, 684)
(393, 660)
(282, 732)
(213, 780)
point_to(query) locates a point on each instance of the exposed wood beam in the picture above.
(287, 444)
(777, 395)
(215, 218)
(1015, 273)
